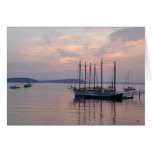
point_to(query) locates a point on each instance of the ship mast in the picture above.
(94, 75)
(90, 77)
(79, 73)
(114, 77)
(128, 79)
(101, 76)
(85, 76)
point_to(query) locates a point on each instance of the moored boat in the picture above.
(106, 96)
(129, 89)
(97, 92)
(127, 97)
(27, 85)
(14, 87)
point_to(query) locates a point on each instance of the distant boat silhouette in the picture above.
(27, 85)
(128, 92)
(14, 87)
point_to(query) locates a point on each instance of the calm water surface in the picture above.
(54, 104)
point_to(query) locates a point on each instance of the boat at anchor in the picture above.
(129, 88)
(96, 92)
(14, 87)
(27, 85)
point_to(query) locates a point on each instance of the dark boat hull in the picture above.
(105, 97)
(14, 87)
(96, 95)
(27, 86)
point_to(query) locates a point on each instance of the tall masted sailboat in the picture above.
(129, 88)
(96, 92)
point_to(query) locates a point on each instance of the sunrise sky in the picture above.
(53, 53)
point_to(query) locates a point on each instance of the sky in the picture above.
(46, 53)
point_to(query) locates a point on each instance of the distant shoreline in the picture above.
(29, 80)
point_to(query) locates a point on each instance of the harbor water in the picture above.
(54, 104)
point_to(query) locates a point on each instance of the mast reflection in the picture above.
(90, 111)
(113, 105)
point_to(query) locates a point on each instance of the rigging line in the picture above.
(97, 79)
(125, 82)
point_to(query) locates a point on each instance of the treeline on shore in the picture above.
(29, 80)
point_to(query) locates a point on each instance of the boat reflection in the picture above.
(94, 112)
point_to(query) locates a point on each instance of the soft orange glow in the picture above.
(66, 60)
(116, 55)
(72, 47)
(135, 43)
(53, 51)
(36, 53)
(94, 46)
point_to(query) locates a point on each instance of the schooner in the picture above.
(96, 92)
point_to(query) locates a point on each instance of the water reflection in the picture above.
(113, 105)
(90, 111)
(53, 104)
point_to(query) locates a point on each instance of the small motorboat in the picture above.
(127, 97)
(27, 85)
(129, 89)
(14, 87)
